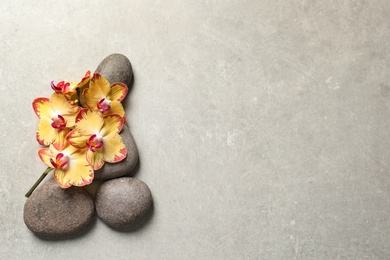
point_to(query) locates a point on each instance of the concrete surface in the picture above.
(262, 126)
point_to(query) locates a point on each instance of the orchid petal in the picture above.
(114, 148)
(85, 79)
(112, 124)
(95, 159)
(60, 139)
(98, 89)
(76, 139)
(81, 113)
(42, 107)
(118, 92)
(59, 103)
(61, 177)
(90, 123)
(45, 154)
(45, 132)
(116, 108)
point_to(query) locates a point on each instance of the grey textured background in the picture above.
(262, 126)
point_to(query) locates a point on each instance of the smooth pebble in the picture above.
(54, 212)
(121, 202)
(116, 68)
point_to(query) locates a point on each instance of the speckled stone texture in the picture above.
(121, 202)
(54, 212)
(113, 170)
(116, 68)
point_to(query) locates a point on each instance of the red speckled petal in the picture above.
(42, 107)
(114, 148)
(112, 124)
(118, 92)
(85, 79)
(76, 139)
(98, 89)
(61, 177)
(95, 159)
(45, 132)
(90, 123)
(60, 139)
(45, 154)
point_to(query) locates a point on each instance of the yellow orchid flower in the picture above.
(69, 89)
(102, 97)
(56, 116)
(70, 165)
(100, 135)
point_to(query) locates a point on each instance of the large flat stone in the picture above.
(54, 212)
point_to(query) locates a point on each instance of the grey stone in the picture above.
(116, 68)
(54, 212)
(114, 170)
(121, 202)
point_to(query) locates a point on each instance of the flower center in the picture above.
(60, 161)
(58, 122)
(104, 105)
(61, 87)
(94, 142)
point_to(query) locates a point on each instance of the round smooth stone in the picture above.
(114, 170)
(54, 212)
(121, 202)
(116, 68)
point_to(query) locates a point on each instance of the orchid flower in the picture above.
(70, 165)
(82, 131)
(105, 98)
(100, 135)
(56, 115)
(69, 89)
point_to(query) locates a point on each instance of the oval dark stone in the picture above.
(114, 170)
(54, 212)
(116, 68)
(121, 202)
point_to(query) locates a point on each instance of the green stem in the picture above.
(38, 181)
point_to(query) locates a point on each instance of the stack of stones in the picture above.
(54, 212)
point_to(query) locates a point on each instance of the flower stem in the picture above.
(38, 181)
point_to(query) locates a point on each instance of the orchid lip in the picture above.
(94, 143)
(53, 86)
(61, 161)
(104, 105)
(59, 122)
(61, 87)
